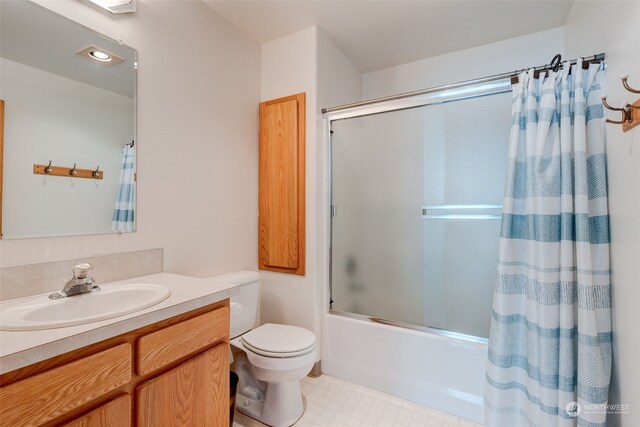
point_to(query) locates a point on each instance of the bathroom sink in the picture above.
(40, 312)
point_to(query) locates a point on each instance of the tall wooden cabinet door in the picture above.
(116, 413)
(195, 394)
(281, 242)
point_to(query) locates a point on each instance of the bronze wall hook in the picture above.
(625, 83)
(627, 116)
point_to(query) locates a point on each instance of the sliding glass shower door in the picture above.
(417, 196)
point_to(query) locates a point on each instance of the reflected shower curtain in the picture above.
(550, 342)
(123, 213)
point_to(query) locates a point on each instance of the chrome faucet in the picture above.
(79, 284)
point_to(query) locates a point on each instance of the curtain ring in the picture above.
(554, 65)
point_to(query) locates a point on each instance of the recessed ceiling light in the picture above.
(104, 57)
(100, 56)
(117, 6)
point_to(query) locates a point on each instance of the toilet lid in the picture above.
(273, 339)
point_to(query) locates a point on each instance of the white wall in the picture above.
(288, 66)
(339, 80)
(198, 92)
(55, 118)
(306, 61)
(486, 60)
(611, 27)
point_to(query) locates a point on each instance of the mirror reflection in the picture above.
(68, 102)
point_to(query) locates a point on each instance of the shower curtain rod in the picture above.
(593, 58)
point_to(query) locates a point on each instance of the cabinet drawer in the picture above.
(46, 396)
(167, 345)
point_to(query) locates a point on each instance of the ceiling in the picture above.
(377, 34)
(42, 39)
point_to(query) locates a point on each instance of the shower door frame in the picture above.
(437, 95)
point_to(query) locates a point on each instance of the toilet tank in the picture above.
(244, 299)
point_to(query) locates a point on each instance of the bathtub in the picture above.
(437, 371)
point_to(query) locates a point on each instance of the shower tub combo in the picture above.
(415, 191)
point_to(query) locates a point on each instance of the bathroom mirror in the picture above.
(67, 127)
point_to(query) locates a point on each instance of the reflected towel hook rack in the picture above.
(74, 172)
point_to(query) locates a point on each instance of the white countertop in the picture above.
(23, 348)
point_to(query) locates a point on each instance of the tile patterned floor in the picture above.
(331, 402)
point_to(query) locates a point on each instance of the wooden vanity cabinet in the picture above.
(172, 373)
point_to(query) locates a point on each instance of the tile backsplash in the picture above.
(32, 279)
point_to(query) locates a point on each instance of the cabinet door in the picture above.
(116, 413)
(195, 393)
(281, 245)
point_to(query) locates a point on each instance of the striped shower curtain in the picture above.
(550, 344)
(123, 213)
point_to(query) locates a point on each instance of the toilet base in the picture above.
(282, 405)
(278, 403)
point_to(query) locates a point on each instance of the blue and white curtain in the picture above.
(124, 211)
(550, 344)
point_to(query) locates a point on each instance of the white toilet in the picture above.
(270, 359)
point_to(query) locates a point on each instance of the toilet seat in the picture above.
(279, 341)
(277, 355)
